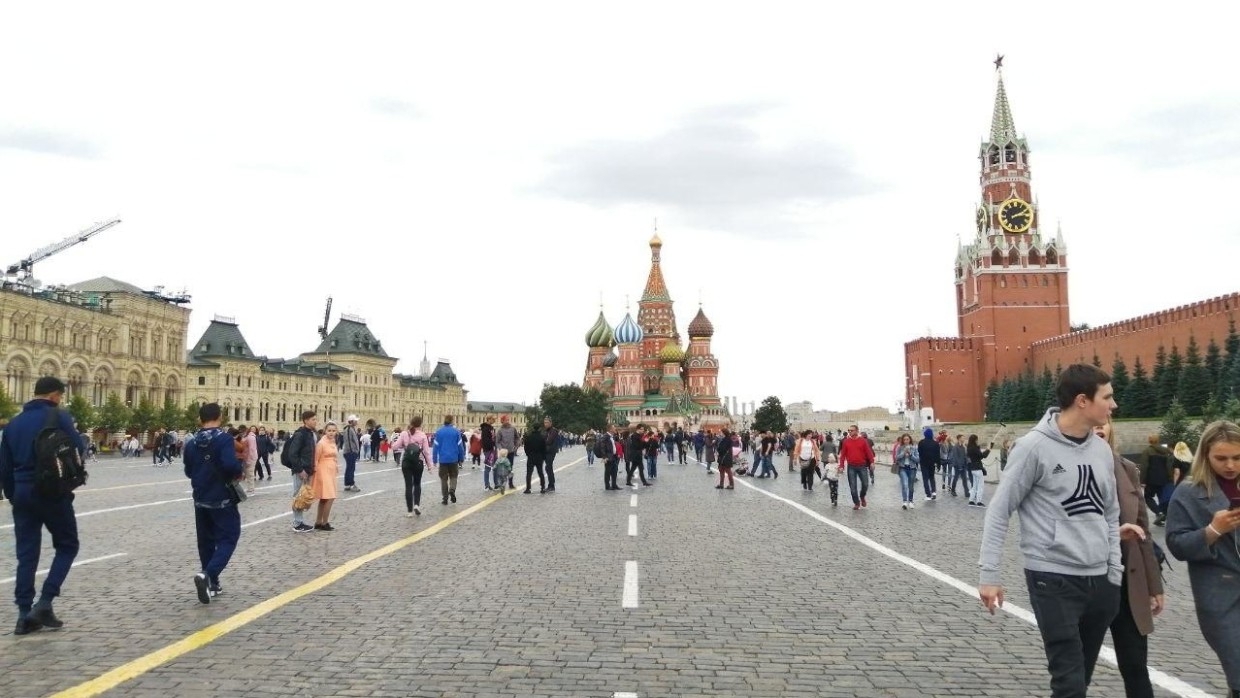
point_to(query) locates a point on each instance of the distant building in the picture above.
(1012, 298)
(652, 378)
(100, 336)
(477, 412)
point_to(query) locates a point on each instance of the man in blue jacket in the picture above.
(448, 453)
(210, 462)
(32, 511)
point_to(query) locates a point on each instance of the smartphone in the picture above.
(1235, 504)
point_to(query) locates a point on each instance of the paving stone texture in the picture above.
(740, 595)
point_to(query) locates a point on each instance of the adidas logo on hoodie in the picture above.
(1059, 469)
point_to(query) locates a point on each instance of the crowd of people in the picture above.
(1090, 564)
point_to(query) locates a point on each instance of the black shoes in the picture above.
(201, 586)
(26, 625)
(452, 496)
(527, 491)
(327, 526)
(445, 501)
(551, 488)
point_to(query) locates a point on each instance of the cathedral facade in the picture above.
(643, 369)
(1012, 298)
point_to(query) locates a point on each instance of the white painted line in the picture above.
(623, 694)
(632, 524)
(372, 472)
(1159, 678)
(269, 518)
(630, 585)
(76, 563)
(81, 514)
(632, 500)
(88, 489)
(359, 496)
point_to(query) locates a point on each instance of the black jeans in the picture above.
(1131, 650)
(807, 476)
(413, 485)
(547, 461)
(532, 464)
(631, 465)
(611, 468)
(1073, 615)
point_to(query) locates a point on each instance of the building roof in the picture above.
(106, 284)
(600, 335)
(1002, 125)
(443, 375)
(628, 331)
(303, 368)
(351, 336)
(222, 338)
(701, 325)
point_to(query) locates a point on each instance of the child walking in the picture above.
(502, 470)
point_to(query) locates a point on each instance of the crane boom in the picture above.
(25, 266)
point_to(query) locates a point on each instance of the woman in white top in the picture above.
(806, 451)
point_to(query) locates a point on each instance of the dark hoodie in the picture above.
(535, 445)
(210, 461)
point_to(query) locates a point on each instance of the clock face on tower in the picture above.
(981, 218)
(1015, 215)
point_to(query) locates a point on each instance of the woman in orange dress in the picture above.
(326, 468)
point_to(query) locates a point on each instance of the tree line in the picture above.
(115, 416)
(1199, 385)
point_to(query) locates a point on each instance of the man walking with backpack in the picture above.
(298, 456)
(27, 453)
(211, 462)
(605, 447)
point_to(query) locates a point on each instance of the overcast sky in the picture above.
(474, 175)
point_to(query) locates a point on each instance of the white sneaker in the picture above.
(910, 504)
(929, 498)
(409, 515)
(417, 511)
(904, 505)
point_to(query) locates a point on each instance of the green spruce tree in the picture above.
(171, 417)
(114, 415)
(83, 414)
(1097, 362)
(1031, 407)
(1214, 364)
(993, 412)
(1141, 399)
(1196, 387)
(144, 417)
(1046, 388)
(1120, 382)
(1175, 426)
(8, 407)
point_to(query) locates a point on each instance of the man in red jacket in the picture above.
(857, 456)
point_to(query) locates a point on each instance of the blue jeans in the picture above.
(350, 467)
(652, 465)
(762, 461)
(30, 514)
(908, 477)
(589, 455)
(486, 476)
(858, 482)
(298, 516)
(979, 485)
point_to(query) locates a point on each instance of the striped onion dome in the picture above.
(609, 361)
(671, 353)
(600, 335)
(628, 331)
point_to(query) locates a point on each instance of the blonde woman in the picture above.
(325, 471)
(1202, 521)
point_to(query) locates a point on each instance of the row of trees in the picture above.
(115, 416)
(1200, 384)
(570, 407)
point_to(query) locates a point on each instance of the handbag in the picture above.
(304, 498)
(235, 488)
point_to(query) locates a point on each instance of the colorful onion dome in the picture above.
(628, 331)
(609, 361)
(701, 327)
(600, 335)
(671, 353)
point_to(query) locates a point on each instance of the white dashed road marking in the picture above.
(630, 585)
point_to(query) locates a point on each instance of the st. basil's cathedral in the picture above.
(643, 369)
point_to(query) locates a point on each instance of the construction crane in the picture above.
(24, 269)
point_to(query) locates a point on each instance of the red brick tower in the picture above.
(1012, 280)
(657, 320)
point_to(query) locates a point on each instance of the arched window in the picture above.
(1009, 153)
(1014, 258)
(993, 155)
(996, 259)
(1051, 256)
(1035, 259)
(17, 379)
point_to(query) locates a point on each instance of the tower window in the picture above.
(1009, 153)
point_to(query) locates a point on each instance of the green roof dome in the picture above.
(671, 353)
(600, 335)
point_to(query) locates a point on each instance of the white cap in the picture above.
(352, 418)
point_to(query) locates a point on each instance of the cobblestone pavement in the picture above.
(738, 594)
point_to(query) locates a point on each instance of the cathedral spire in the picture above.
(425, 368)
(656, 287)
(1002, 127)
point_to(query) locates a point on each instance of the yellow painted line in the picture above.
(137, 667)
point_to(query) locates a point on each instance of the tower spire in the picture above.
(1002, 127)
(425, 368)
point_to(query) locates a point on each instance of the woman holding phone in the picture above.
(1202, 521)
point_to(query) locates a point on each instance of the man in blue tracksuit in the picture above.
(33, 511)
(448, 453)
(210, 462)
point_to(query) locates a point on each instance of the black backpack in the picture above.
(412, 457)
(286, 453)
(58, 467)
(601, 449)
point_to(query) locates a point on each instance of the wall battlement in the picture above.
(1185, 313)
(941, 344)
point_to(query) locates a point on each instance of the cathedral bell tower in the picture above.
(1012, 280)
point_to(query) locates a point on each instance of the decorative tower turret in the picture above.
(701, 366)
(1011, 282)
(671, 382)
(600, 339)
(657, 320)
(628, 391)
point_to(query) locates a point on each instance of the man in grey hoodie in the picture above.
(1060, 480)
